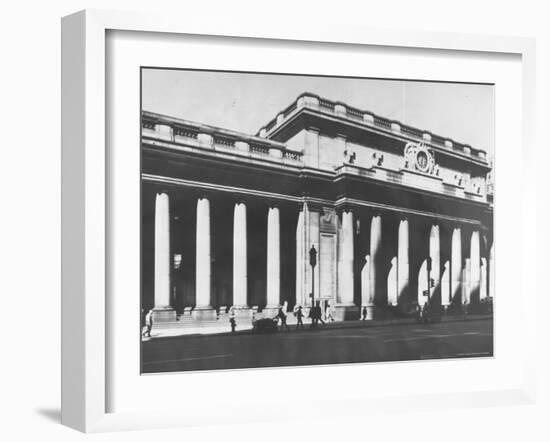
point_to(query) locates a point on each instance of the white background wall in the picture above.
(30, 220)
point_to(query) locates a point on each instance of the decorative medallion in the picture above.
(419, 157)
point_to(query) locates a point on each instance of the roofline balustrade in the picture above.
(339, 109)
(178, 131)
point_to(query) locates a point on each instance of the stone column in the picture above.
(300, 296)
(435, 254)
(403, 259)
(273, 259)
(162, 310)
(392, 283)
(203, 308)
(456, 264)
(446, 286)
(346, 277)
(475, 265)
(492, 271)
(483, 280)
(375, 252)
(466, 281)
(240, 274)
(422, 283)
(366, 300)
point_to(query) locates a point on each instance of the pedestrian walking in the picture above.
(148, 324)
(328, 314)
(311, 315)
(282, 316)
(316, 315)
(232, 320)
(425, 313)
(319, 313)
(299, 316)
(364, 313)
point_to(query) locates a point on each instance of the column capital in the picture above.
(432, 221)
(238, 202)
(346, 207)
(377, 213)
(402, 216)
(234, 198)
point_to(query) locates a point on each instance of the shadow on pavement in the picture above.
(328, 326)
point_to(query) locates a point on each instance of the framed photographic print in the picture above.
(325, 218)
(276, 210)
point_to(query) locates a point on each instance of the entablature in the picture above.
(464, 217)
(232, 154)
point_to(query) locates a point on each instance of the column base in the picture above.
(346, 312)
(242, 312)
(164, 314)
(270, 311)
(223, 312)
(204, 314)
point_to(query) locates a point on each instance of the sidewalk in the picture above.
(222, 327)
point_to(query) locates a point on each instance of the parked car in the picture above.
(265, 325)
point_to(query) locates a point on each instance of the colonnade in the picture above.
(459, 276)
(458, 279)
(204, 307)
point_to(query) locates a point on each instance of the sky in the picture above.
(247, 101)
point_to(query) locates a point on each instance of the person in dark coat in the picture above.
(316, 315)
(232, 320)
(319, 313)
(299, 317)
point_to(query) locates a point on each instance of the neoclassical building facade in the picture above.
(397, 216)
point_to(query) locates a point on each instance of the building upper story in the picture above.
(322, 140)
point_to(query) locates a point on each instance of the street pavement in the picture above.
(355, 342)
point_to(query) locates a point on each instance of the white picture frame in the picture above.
(85, 208)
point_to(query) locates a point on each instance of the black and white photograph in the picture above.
(299, 220)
